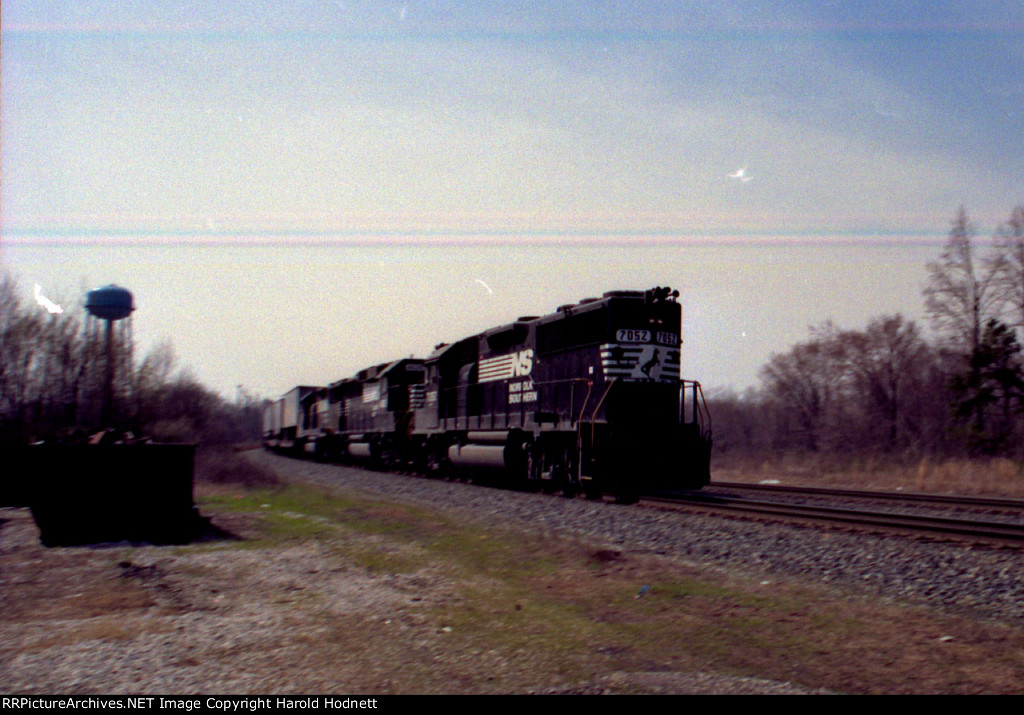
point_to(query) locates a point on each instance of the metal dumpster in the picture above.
(84, 494)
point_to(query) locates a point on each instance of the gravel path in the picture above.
(953, 576)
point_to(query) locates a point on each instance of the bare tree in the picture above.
(51, 379)
(1010, 265)
(17, 333)
(962, 292)
(743, 422)
(151, 379)
(43, 360)
(891, 372)
(804, 384)
(881, 389)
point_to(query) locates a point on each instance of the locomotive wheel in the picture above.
(387, 458)
(434, 464)
(447, 472)
(562, 479)
(524, 477)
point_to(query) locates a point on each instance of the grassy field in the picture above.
(976, 477)
(537, 610)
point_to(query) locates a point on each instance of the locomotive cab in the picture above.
(653, 432)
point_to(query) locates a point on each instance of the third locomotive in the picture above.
(587, 399)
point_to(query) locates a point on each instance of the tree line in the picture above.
(53, 377)
(888, 389)
(884, 389)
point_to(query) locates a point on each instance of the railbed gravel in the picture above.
(954, 576)
(207, 636)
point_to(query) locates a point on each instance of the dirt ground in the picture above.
(286, 596)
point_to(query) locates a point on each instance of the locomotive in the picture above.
(586, 399)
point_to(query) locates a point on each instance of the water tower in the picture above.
(112, 304)
(119, 489)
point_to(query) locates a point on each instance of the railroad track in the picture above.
(979, 530)
(989, 531)
(941, 499)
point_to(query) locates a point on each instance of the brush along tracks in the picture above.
(852, 508)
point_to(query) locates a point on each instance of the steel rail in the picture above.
(998, 502)
(932, 524)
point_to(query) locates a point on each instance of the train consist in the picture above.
(587, 399)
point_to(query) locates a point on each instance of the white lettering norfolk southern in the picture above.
(524, 363)
(505, 367)
(521, 392)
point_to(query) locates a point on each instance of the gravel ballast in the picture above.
(955, 576)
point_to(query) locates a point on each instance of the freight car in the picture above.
(587, 399)
(282, 429)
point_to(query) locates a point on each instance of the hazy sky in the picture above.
(294, 190)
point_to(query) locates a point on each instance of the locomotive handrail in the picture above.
(583, 407)
(593, 415)
(571, 381)
(565, 379)
(701, 413)
(704, 406)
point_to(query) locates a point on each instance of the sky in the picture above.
(295, 190)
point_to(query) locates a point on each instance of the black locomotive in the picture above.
(586, 399)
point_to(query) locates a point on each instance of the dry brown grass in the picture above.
(225, 465)
(969, 477)
(105, 628)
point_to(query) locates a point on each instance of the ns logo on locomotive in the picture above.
(586, 399)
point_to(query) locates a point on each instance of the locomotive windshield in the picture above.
(573, 331)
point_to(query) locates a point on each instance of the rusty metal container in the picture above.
(84, 494)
